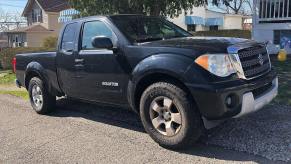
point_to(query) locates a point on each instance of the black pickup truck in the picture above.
(180, 85)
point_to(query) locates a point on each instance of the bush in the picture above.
(225, 33)
(8, 54)
(50, 42)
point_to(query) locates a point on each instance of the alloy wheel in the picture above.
(37, 96)
(165, 116)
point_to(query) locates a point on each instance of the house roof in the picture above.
(47, 5)
(32, 28)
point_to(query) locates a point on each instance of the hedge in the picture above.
(7, 55)
(50, 42)
(225, 33)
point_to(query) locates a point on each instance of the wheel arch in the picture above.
(34, 69)
(149, 79)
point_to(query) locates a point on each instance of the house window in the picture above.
(191, 27)
(213, 28)
(282, 38)
(36, 15)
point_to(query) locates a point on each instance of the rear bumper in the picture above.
(246, 96)
(17, 83)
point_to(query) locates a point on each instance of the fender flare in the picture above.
(172, 65)
(36, 68)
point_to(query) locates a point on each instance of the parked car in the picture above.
(179, 85)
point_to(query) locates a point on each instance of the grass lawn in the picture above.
(7, 85)
(22, 94)
(284, 73)
(7, 77)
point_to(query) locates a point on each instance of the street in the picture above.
(82, 133)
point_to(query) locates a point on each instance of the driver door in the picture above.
(100, 75)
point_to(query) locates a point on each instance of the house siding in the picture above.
(35, 39)
(233, 22)
(53, 23)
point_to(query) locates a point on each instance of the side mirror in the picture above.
(102, 42)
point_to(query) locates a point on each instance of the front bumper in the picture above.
(247, 96)
(250, 104)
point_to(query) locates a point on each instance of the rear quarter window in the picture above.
(69, 35)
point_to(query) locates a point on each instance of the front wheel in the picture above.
(41, 100)
(169, 116)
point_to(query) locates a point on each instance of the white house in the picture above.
(272, 23)
(204, 19)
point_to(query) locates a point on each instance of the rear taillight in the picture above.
(14, 64)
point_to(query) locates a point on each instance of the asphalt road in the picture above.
(81, 133)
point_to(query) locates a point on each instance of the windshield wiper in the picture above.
(148, 39)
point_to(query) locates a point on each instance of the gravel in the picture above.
(86, 133)
(266, 133)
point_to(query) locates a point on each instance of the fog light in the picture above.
(228, 101)
(231, 100)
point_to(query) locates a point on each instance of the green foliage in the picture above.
(7, 77)
(7, 85)
(225, 33)
(21, 94)
(149, 7)
(7, 55)
(50, 42)
(284, 74)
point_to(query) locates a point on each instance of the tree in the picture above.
(50, 42)
(236, 6)
(10, 20)
(150, 7)
(250, 5)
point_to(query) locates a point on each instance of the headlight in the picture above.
(218, 64)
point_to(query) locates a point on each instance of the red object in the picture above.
(14, 64)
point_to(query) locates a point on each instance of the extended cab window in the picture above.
(92, 29)
(69, 37)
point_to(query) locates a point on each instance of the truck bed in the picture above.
(46, 61)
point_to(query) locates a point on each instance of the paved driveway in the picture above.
(81, 133)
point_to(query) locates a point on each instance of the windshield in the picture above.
(140, 29)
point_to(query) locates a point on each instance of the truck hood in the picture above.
(203, 44)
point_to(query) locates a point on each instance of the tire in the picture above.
(41, 100)
(187, 126)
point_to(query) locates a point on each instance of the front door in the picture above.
(100, 75)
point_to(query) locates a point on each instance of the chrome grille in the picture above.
(255, 61)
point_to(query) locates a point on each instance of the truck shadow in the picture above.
(125, 118)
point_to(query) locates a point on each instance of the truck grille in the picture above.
(255, 61)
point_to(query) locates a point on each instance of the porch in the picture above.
(274, 11)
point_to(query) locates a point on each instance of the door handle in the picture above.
(79, 60)
(67, 52)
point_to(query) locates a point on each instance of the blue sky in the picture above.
(12, 6)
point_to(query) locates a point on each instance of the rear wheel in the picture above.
(169, 116)
(41, 100)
